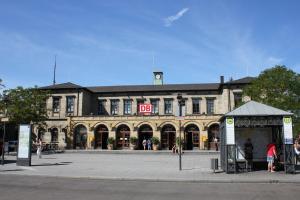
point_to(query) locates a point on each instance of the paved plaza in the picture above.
(137, 166)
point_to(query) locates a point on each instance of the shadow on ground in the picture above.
(9, 161)
(12, 170)
(51, 164)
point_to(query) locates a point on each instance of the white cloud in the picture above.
(274, 61)
(169, 20)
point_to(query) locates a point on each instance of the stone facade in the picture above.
(79, 128)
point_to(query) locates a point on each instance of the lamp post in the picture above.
(5, 100)
(180, 104)
(3, 144)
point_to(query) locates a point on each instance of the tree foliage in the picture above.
(24, 105)
(1, 84)
(278, 87)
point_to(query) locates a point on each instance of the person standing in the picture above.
(271, 155)
(39, 148)
(297, 150)
(248, 149)
(149, 144)
(216, 143)
(144, 143)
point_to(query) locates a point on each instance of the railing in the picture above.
(50, 147)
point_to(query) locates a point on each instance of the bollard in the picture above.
(214, 164)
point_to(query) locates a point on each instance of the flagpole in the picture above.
(54, 73)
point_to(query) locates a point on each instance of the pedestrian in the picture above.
(149, 144)
(39, 148)
(144, 143)
(297, 150)
(174, 148)
(248, 150)
(271, 155)
(216, 143)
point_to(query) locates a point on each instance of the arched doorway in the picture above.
(123, 137)
(101, 135)
(54, 135)
(213, 132)
(80, 137)
(41, 133)
(191, 137)
(168, 133)
(144, 132)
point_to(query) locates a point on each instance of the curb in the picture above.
(140, 152)
(208, 181)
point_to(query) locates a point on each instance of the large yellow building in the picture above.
(85, 117)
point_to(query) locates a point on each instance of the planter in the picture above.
(110, 146)
(132, 147)
(155, 147)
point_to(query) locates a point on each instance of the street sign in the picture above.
(145, 108)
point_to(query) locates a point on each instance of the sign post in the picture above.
(289, 161)
(24, 146)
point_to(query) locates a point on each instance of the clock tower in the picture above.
(158, 78)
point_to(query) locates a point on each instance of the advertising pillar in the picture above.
(24, 146)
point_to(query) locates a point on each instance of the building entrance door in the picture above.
(168, 137)
(145, 132)
(123, 137)
(101, 136)
(80, 137)
(191, 137)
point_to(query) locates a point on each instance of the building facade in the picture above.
(85, 117)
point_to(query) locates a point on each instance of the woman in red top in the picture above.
(271, 153)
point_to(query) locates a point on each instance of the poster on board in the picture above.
(24, 146)
(288, 130)
(230, 139)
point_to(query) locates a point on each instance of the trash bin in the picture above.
(214, 164)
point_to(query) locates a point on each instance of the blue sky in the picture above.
(113, 42)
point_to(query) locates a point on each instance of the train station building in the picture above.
(85, 117)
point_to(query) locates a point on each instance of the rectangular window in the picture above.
(210, 106)
(127, 107)
(70, 104)
(237, 99)
(55, 105)
(114, 107)
(139, 102)
(168, 106)
(155, 103)
(196, 106)
(101, 107)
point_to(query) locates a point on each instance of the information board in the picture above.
(288, 130)
(24, 141)
(230, 139)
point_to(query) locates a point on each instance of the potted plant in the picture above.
(155, 142)
(133, 143)
(110, 143)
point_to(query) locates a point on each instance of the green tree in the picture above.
(278, 87)
(1, 84)
(24, 105)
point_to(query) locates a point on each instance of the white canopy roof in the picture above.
(253, 108)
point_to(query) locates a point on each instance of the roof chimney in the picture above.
(221, 79)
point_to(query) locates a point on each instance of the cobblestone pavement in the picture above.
(151, 167)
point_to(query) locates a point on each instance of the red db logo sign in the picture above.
(145, 108)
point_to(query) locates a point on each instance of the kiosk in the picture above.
(263, 124)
